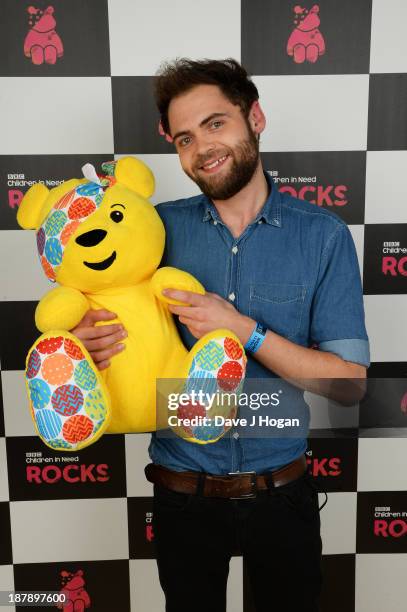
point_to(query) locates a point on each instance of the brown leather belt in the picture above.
(235, 485)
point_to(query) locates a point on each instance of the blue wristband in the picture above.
(256, 339)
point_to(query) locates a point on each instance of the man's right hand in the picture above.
(102, 341)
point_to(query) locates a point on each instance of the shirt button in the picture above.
(235, 250)
(231, 297)
(259, 221)
(215, 223)
(235, 435)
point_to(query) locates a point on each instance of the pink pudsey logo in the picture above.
(73, 587)
(306, 41)
(42, 43)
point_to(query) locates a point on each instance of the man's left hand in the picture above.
(205, 313)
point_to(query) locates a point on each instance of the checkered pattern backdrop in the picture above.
(337, 136)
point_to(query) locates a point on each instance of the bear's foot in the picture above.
(299, 54)
(50, 54)
(69, 402)
(312, 53)
(37, 55)
(215, 378)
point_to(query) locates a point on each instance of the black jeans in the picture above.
(277, 532)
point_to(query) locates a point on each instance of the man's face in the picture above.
(217, 147)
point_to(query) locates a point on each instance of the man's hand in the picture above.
(207, 313)
(100, 340)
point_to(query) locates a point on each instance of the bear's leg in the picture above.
(50, 54)
(79, 605)
(37, 55)
(214, 370)
(299, 54)
(312, 53)
(69, 401)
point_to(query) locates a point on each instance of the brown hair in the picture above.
(181, 75)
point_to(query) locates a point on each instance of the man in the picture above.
(283, 275)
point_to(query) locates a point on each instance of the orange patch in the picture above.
(77, 428)
(73, 349)
(48, 269)
(65, 200)
(68, 230)
(80, 208)
(232, 348)
(57, 369)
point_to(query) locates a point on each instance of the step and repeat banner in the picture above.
(75, 87)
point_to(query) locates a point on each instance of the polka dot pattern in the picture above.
(85, 376)
(65, 412)
(217, 369)
(94, 405)
(41, 240)
(230, 375)
(232, 348)
(81, 207)
(40, 393)
(48, 423)
(63, 220)
(57, 369)
(50, 345)
(73, 350)
(77, 428)
(54, 223)
(53, 251)
(67, 400)
(33, 365)
(68, 230)
(210, 357)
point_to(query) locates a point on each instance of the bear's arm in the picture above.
(60, 308)
(172, 278)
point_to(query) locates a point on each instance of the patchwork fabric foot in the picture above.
(69, 403)
(215, 380)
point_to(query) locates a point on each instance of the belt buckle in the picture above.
(253, 484)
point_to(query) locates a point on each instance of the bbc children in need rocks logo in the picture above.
(308, 188)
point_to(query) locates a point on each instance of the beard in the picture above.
(244, 158)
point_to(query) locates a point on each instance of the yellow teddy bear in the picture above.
(102, 241)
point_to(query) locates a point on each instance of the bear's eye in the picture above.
(116, 216)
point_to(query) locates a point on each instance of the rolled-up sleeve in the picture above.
(337, 313)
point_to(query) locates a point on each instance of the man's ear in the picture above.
(135, 175)
(257, 118)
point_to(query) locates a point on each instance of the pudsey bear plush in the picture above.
(102, 241)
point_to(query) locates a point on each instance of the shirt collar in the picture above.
(270, 213)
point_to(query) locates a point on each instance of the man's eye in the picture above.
(216, 124)
(185, 141)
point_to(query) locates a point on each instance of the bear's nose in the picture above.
(92, 238)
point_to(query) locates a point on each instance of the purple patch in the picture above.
(33, 365)
(41, 240)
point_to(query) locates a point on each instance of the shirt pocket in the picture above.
(278, 306)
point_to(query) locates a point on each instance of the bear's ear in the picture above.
(135, 175)
(29, 212)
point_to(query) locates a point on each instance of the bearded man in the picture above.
(283, 275)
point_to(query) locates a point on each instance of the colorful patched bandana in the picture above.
(66, 215)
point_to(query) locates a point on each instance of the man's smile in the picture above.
(214, 164)
(101, 265)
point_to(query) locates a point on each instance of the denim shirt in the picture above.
(295, 270)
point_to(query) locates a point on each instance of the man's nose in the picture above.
(205, 147)
(91, 238)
